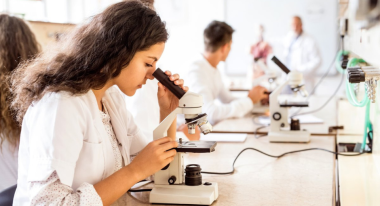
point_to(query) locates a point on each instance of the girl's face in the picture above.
(139, 70)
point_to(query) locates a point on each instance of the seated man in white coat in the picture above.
(301, 52)
(204, 78)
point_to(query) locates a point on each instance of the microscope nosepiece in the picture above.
(191, 128)
(205, 127)
(201, 121)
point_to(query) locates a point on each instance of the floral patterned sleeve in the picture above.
(53, 192)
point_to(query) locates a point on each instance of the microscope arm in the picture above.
(161, 130)
(273, 97)
(172, 131)
(275, 108)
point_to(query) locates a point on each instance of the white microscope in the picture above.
(280, 130)
(270, 77)
(171, 185)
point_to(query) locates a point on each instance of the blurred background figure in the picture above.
(260, 51)
(301, 52)
(17, 44)
(205, 79)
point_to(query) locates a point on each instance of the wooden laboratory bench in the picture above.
(359, 177)
(305, 178)
(249, 123)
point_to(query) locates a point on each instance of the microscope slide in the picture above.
(224, 137)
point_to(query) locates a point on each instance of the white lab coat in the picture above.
(64, 133)
(303, 56)
(206, 80)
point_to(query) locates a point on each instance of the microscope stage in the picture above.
(196, 146)
(294, 104)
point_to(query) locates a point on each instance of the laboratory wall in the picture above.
(186, 20)
(55, 11)
(364, 42)
(319, 20)
(47, 33)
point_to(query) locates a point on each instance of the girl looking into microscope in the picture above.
(79, 145)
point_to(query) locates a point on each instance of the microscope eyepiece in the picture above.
(164, 79)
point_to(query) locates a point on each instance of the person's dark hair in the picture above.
(17, 44)
(148, 3)
(217, 34)
(89, 56)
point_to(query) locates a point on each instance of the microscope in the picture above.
(280, 130)
(171, 184)
(269, 77)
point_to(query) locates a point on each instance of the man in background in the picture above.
(301, 52)
(205, 79)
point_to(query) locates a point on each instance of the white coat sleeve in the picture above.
(139, 141)
(56, 132)
(313, 57)
(225, 96)
(216, 113)
(53, 192)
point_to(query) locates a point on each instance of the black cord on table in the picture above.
(140, 190)
(276, 156)
(257, 130)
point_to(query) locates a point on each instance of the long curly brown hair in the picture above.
(91, 55)
(17, 44)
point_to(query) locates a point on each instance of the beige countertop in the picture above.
(359, 177)
(297, 179)
(248, 124)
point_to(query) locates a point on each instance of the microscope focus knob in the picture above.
(276, 116)
(172, 180)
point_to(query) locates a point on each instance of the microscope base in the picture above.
(289, 136)
(184, 194)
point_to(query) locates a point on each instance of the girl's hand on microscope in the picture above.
(167, 100)
(155, 156)
(257, 93)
